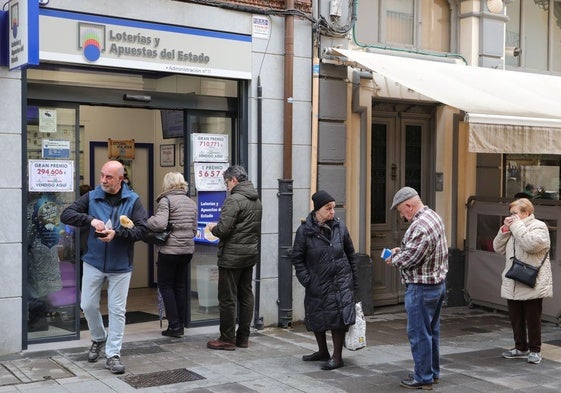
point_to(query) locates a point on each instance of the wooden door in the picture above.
(400, 156)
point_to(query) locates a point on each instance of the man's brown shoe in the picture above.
(219, 344)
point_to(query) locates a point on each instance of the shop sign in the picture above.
(23, 24)
(123, 149)
(261, 26)
(71, 37)
(51, 176)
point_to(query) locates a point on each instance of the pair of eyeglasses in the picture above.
(226, 182)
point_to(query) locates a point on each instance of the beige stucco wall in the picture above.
(467, 163)
(444, 163)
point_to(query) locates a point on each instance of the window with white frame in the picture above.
(419, 24)
(533, 34)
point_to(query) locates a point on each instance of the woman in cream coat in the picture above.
(530, 236)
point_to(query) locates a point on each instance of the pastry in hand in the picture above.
(126, 222)
(208, 233)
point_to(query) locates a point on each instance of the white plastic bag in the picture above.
(355, 338)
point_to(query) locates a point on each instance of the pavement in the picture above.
(472, 340)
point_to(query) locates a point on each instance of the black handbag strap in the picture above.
(514, 252)
(170, 225)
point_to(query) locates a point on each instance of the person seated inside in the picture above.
(528, 193)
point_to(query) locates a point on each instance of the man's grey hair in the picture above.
(236, 171)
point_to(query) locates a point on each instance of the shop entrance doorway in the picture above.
(91, 106)
(140, 173)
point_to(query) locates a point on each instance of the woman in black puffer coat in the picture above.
(324, 259)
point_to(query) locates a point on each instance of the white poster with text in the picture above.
(51, 175)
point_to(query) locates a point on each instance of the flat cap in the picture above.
(402, 195)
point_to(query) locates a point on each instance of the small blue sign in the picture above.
(56, 153)
(209, 208)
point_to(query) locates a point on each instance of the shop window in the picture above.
(52, 286)
(534, 27)
(552, 227)
(487, 227)
(537, 176)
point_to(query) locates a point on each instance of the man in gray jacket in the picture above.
(239, 231)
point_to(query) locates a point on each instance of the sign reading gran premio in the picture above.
(69, 37)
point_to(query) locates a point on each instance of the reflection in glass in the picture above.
(413, 157)
(378, 173)
(552, 227)
(512, 38)
(204, 284)
(487, 227)
(52, 273)
(539, 172)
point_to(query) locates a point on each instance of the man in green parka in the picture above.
(239, 230)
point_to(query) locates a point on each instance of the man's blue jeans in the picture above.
(117, 292)
(423, 304)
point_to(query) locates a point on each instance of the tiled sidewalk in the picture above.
(471, 344)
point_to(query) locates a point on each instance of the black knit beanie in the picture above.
(321, 198)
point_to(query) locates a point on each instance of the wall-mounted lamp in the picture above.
(136, 97)
(43, 2)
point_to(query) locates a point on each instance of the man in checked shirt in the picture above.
(422, 261)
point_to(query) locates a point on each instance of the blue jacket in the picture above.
(117, 255)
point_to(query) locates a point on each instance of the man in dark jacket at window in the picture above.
(239, 231)
(109, 256)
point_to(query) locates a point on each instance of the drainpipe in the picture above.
(285, 184)
(258, 320)
(315, 108)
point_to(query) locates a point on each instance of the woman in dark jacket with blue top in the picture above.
(324, 259)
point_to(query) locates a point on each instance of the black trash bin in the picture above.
(455, 294)
(364, 264)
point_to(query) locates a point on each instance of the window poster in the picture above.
(47, 120)
(209, 176)
(210, 147)
(51, 175)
